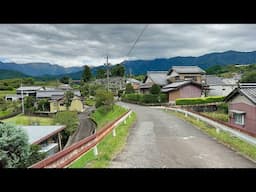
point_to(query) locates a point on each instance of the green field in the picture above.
(108, 148)
(29, 120)
(104, 118)
(3, 93)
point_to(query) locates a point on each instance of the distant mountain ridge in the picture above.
(10, 74)
(205, 61)
(39, 69)
(136, 67)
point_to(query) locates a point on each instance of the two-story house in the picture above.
(186, 73)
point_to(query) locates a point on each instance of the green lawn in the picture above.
(28, 120)
(3, 93)
(108, 148)
(225, 138)
(217, 115)
(104, 118)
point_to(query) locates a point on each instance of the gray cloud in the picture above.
(79, 44)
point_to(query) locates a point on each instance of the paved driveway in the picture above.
(161, 140)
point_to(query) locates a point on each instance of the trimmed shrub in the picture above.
(163, 98)
(199, 100)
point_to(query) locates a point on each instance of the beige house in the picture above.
(183, 73)
(57, 104)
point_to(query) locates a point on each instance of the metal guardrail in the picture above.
(67, 156)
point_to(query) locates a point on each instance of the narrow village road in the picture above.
(161, 140)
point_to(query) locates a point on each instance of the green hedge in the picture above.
(199, 100)
(147, 98)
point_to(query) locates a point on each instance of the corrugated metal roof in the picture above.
(36, 133)
(50, 93)
(158, 77)
(29, 88)
(187, 69)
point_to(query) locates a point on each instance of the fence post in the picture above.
(95, 150)
(218, 130)
(186, 114)
(114, 132)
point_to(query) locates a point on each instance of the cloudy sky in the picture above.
(80, 44)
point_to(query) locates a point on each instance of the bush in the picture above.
(68, 118)
(104, 98)
(147, 98)
(199, 100)
(163, 98)
(129, 89)
(14, 147)
(155, 89)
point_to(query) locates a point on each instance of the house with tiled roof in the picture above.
(153, 77)
(181, 73)
(178, 82)
(242, 107)
(182, 89)
(217, 86)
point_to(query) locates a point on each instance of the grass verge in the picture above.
(223, 137)
(28, 120)
(217, 115)
(108, 148)
(103, 118)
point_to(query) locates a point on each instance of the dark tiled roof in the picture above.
(214, 80)
(187, 69)
(158, 77)
(176, 85)
(246, 89)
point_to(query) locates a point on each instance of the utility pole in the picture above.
(107, 65)
(22, 99)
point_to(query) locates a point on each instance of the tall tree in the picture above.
(64, 80)
(87, 75)
(101, 73)
(118, 70)
(68, 98)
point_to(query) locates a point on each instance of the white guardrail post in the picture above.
(95, 150)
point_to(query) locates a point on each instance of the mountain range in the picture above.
(135, 67)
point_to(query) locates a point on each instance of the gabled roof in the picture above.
(158, 77)
(246, 89)
(186, 69)
(177, 85)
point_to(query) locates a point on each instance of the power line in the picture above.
(141, 33)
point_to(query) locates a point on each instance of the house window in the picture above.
(190, 78)
(177, 78)
(239, 118)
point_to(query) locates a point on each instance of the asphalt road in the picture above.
(161, 140)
